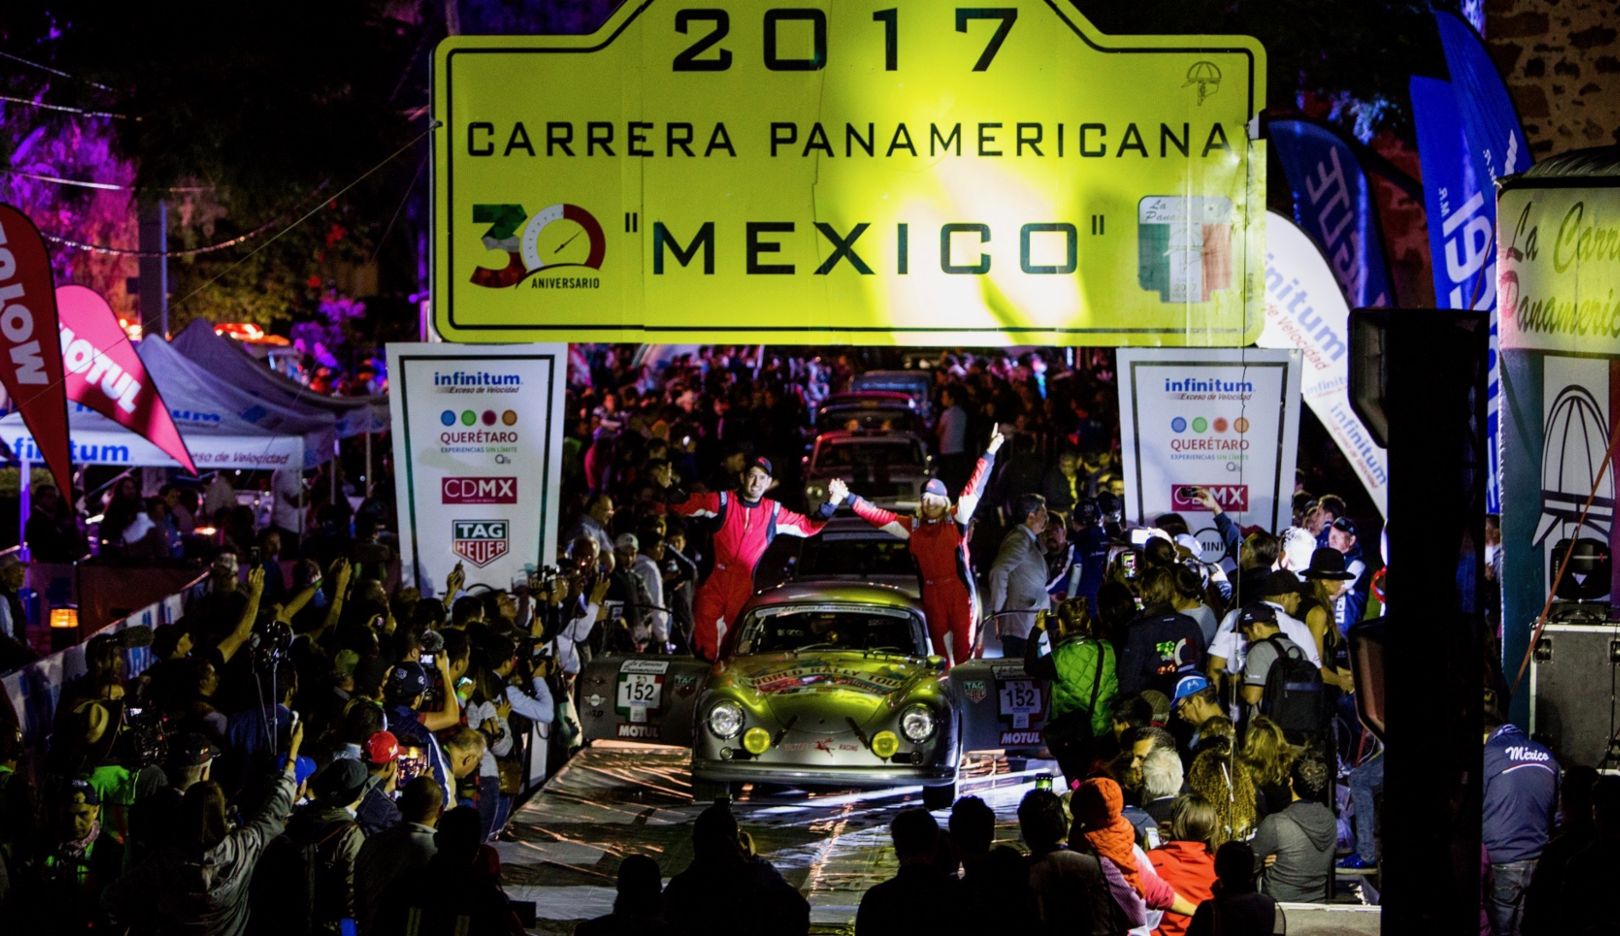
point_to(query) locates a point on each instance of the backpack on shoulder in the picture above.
(284, 882)
(1293, 696)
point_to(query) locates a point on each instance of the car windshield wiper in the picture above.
(820, 646)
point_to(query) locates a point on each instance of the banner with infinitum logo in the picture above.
(477, 458)
(1224, 420)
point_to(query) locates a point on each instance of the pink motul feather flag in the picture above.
(31, 373)
(104, 372)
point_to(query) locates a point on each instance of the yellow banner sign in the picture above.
(1558, 265)
(885, 172)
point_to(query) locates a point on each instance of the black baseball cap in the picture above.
(407, 680)
(1256, 614)
(192, 750)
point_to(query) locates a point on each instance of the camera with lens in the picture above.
(270, 641)
(144, 739)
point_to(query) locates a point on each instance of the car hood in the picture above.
(854, 684)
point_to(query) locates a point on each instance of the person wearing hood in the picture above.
(1100, 828)
(200, 885)
(1293, 849)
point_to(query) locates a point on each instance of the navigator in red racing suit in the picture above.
(937, 539)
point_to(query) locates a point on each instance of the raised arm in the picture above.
(449, 713)
(698, 505)
(1230, 534)
(250, 612)
(792, 523)
(973, 491)
(885, 520)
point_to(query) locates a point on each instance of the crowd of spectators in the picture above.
(314, 727)
(330, 760)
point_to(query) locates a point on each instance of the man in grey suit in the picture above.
(1018, 576)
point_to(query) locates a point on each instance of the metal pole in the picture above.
(368, 463)
(154, 268)
(25, 496)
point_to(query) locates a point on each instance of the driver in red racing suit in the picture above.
(747, 522)
(940, 550)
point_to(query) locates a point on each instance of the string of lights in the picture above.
(232, 242)
(63, 108)
(126, 252)
(103, 186)
(54, 71)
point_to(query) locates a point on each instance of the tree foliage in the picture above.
(264, 112)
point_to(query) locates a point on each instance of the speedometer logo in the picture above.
(553, 239)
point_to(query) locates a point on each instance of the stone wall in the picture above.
(1561, 60)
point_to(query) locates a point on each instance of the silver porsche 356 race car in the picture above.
(822, 683)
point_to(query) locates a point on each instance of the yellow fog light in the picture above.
(884, 744)
(756, 741)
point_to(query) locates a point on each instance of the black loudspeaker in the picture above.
(1574, 675)
(1590, 568)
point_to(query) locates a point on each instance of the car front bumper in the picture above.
(755, 772)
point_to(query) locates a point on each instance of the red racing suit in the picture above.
(940, 550)
(743, 532)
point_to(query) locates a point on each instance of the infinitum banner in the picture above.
(477, 459)
(1226, 421)
(902, 172)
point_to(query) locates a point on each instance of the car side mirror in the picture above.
(937, 662)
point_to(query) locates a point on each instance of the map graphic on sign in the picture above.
(921, 174)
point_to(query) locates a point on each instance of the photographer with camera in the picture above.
(569, 603)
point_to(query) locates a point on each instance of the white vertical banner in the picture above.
(477, 458)
(1305, 309)
(1226, 420)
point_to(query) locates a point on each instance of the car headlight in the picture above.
(885, 744)
(917, 723)
(725, 720)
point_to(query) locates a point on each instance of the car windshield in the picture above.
(775, 630)
(824, 556)
(853, 418)
(869, 453)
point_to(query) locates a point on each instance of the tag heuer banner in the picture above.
(1224, 420)
(477, 456)
(905, 172)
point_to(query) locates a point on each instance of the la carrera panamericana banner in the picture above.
(478, 450)
(29, 366)
(105, 374)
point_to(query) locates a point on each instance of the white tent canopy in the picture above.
(223, 425)
(200, 397)
(98, 440)
(233, 363)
